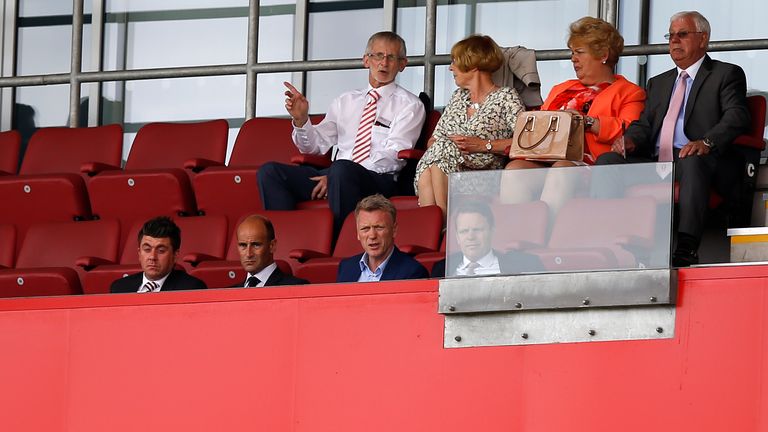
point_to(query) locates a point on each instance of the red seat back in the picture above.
(60, 244)
(7, 245)
(263, 140)
(10, 146)
(170, 145)
(65, 150)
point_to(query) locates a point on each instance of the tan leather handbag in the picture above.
(548, 136)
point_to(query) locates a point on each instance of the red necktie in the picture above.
(667, 136)
(362, 148)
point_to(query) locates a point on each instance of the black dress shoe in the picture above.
(684, 258)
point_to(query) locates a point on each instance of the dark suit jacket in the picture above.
(400, 266)
(177, 280)
(513, 262)
(716, 108)
(279, 278)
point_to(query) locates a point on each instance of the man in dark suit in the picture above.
(256, 244)
(695, 110)
(159, 242)
(376, 219)
(474, 223)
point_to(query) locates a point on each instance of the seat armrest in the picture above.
(634, 242)
(748, 141)
(414, 249)
(302, 255)
(311, 160)
(93, 168)
(198, 164)
(195, 258)
(414, 154)
(520, 245)
(89, 262)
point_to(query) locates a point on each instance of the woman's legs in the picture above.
(433, 188)
(520, 187)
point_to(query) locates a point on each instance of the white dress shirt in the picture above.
(262, 276)
(399, 118)
(487, 265)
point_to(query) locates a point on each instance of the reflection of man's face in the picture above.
(473, 233)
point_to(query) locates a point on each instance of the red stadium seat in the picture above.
(7, 245)
(74, 150)
(10, 146)
(39, 282)
(28, 200)
(595, 234)
(136, 196)
(233, 190)
(60, 248)
(192, 146)
(418, 231)
(294, 230)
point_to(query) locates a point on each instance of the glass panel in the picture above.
(47, 49)
(325, 41)
(49, 105)
(270, 99)
(560, 220)
(170, 43)
(170, 5)
(275, 38)
(727, 22)
(183, 99)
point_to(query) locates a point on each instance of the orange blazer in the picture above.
(621, 102)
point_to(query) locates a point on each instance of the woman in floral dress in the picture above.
(476, 126)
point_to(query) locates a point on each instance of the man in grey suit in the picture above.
(713, 113)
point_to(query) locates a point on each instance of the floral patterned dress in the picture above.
(494, 120)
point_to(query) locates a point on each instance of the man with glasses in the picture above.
(368, 126)
(692, 114)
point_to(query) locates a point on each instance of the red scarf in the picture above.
(579, 97)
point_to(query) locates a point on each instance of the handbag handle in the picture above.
(530, 122)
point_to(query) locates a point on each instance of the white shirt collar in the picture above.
(693, 69)
(485, 261)
(159, 282)
(263, 275)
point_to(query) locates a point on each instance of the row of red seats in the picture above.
(86, 256)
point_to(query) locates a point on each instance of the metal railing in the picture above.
(252, 67)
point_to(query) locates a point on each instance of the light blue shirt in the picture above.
(680, 139)
(366, 275)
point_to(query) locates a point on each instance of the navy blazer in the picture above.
(716, 107)
(177, 280)
(400, 266)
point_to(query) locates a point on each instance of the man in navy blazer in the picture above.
(376, 219)
(256, 244)
(159, 243)
(713, 114)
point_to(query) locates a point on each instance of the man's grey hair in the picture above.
(387, 36)
(702, 25)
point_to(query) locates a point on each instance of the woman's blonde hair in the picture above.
(477, 52)
(600, 38)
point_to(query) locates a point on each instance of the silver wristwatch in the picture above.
(709, 143)
(488, 146)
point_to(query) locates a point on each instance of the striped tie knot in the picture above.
(150, 286)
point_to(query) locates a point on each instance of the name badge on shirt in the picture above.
(383, 123)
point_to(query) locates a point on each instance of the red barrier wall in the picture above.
(370, 357)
